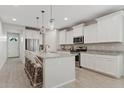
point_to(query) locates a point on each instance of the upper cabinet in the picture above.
(69, 37)
(62, 37)
(111, 27)
(90, 33)
(65, 37)
(78, 30)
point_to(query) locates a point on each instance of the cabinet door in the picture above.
(69, 37)
(90, 33)
(91, 61)
(108, 64)
(102, 30)
(78, 30)
(88, 61)
(114, 66)
(100, 63)
(110, 28)
(111, 66)
(62, 37)
(83, 60)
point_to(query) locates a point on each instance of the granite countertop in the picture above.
(104, 52)
(53, 55)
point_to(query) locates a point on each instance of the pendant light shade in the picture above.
(52, 20)
(42, 27)
(51, 24)
(37, 18)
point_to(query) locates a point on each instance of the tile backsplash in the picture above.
(98, 46)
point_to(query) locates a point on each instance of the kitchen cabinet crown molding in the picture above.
(121, 13)
(78, 26)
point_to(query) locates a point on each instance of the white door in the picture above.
(13, 45)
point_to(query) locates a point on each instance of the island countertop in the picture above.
(53, 54)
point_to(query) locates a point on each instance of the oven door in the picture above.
(77, 60)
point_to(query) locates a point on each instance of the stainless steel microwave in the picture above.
(77, 40)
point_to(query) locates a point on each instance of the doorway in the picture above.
(13, 42)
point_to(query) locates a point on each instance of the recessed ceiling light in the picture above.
(13, 19)
(65, 18)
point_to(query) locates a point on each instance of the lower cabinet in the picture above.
(108, 64)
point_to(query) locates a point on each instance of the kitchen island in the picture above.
(58, 68)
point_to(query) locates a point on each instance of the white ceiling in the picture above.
(26, 15)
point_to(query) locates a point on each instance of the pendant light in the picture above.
(37, 19)
(42, 27)
(52, 20)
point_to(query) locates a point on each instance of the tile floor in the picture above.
(89, 79)
(12, 75)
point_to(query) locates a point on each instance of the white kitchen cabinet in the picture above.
(69, 37)
(109, 64)
(90, 33)
(78, 30)
(62, 37)
(86, 61)
(100, 63)
(111, 27)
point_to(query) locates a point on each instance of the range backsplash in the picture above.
(98, 46)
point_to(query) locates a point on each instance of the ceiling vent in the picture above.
(32, 28)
